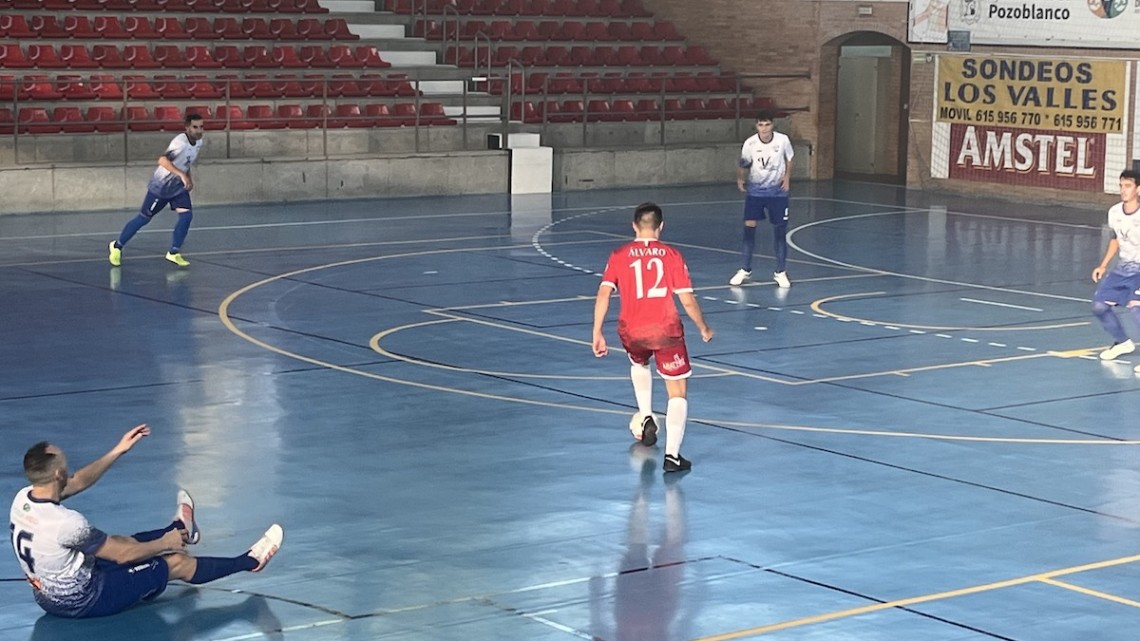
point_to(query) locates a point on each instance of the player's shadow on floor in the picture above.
(169, 619)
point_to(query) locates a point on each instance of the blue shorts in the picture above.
(776, 208)
(1118, 289)
(118, 587)
(153, 204)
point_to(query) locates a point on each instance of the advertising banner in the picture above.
(1048, 23)
(1052, 122)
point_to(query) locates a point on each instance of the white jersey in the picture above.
(768, 162)
(1126, 230)
(56, 548)
(182, 154)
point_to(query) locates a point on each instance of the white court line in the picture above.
(997, 304)
(792, 244)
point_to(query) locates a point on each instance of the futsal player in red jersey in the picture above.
(647, 273)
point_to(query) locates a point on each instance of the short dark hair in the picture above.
(648, 216)
(766, 115)
(39, 463)
(190, 117)
(1131, 174)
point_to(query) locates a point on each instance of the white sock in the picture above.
(642, 387)
(675, 417)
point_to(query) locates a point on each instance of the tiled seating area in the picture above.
(212, 6)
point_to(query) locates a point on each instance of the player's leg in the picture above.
(183, 207)
(1113, 290)
(753, 213)
(151, 205)
(778, 214)
(673, 365)
(642, 379)
(204, 569)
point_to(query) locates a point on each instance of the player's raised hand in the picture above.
(133, 435)
(600, 348)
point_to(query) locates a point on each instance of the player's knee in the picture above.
(188, 213)
(1100, 308)
(750, 223)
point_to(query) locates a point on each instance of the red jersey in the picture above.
(647, 273)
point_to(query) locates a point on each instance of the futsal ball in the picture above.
(635, 424)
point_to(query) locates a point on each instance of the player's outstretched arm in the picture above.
(693, 309)
(86, 476)
(601, 306)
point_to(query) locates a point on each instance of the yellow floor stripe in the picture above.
(1089, 591)
(1044, 577)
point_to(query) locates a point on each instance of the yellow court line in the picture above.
(927, 598)
(1096, 593)
(223, 313)
(374, 342)
(817, 306)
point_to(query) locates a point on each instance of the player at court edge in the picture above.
(1120, 286)
(647, 273)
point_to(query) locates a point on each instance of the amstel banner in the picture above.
(1051, 122)
(1096, 24)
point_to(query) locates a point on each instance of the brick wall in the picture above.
(765, 37)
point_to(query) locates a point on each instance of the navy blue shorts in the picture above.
(121, 586)
(1118, 289)
(776, 208)
(153, 204)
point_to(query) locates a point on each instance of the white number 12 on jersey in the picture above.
(658, 268)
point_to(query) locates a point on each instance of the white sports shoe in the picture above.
(267, 546)
(1118, 350)
(739, 277)
(781, 279)
(185, 513)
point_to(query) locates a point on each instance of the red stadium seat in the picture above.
(286, 56)
(311, 29)
(227, 28)
(108, 27)
(344, 85)
(199, 57)
(16, 26)
(343, 56)
(39, 87)
(169, 86)
(44, 57)
(35, 120)
(7, 122)
(294, 117)
(320, 115)
(73, 88)
(71, 120)
(170, 118)
(256, 28)
(648, 109)
(199, 28)
(405, 113)
(105, 87)
(47, 27)
(379, 115)
(284, 29)
(258, 56)
(368, 57)
(140, 28)
(337, 29)
(230, 57)
(171, 29)
(138, 57)
(12, 58)
(76, 57)
(104, 119)
(138, 88)
(314, 56)
(231, 118)
(262, 117)
(170, 57)
(433, 113)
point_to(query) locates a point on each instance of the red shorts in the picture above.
(671, 355)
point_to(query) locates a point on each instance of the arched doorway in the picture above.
(871, 110)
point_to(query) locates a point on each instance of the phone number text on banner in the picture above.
(1077, 95)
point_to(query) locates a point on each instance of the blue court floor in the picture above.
(915, 442)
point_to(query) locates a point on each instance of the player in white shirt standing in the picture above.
(764, 173)
(169, 186)
(78, 571)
